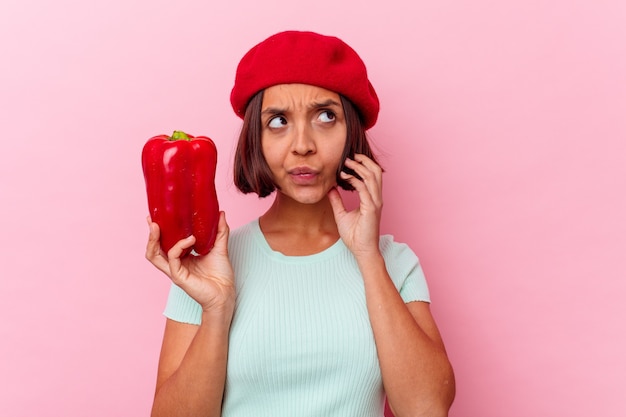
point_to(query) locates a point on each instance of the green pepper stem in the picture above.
(179, 135)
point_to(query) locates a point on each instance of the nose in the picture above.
(303, 142)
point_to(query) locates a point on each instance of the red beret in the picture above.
(305, 58)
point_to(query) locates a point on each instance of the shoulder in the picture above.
(242, 235)
(405, 270)
(243, 244)
(396, 252)
(245, 230)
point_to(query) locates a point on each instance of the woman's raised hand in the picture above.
(207, 279)
(360, 228)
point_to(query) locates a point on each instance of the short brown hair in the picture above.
(251, 173)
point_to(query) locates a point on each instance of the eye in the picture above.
(277, 122)
(326, 116)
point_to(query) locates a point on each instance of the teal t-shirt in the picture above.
(301, 343)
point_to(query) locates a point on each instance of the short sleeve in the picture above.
(181, 307)
(405, 270)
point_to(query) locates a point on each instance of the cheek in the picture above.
(274, 158)
(339, 149)
(334, 160)
(268, 153)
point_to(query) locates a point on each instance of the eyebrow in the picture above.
(326, 103)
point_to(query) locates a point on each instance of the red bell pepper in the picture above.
(179, 171)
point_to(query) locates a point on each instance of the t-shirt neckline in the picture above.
(329, 252)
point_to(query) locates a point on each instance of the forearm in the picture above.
(417, 375)
(196, 388)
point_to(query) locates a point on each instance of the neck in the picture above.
(286, 214)
(299, 229)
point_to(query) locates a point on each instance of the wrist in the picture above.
(370, 261)
(219, 314)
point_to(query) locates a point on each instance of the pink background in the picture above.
(502, 130)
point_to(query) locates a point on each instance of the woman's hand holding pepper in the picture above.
(360, 228)
(207, 279)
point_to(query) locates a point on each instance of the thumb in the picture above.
(174, 254)
(336, 202)
(221, 240)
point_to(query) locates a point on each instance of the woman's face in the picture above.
(303, 137)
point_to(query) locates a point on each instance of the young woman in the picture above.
(308, 310)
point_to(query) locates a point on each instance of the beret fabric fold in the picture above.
(305, 58)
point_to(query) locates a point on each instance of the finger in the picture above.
(154, 254)
(154, 232)
(370, 173)
(360, 173)
(368, 162)
(359, 185)
(367, 170)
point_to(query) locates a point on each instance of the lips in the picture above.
(302, 171)
(303, 175)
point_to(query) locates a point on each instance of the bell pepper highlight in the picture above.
(179, 172)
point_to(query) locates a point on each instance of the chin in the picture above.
(310, 197)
